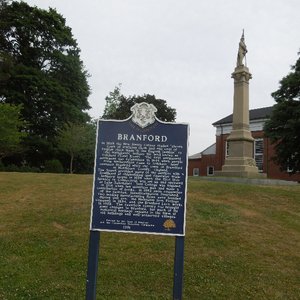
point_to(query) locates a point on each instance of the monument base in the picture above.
(243, 174)
(240, 167)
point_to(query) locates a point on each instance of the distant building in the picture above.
(212, 159)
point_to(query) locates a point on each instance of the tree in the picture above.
(283, 127)
(118, 106)
(112, 102)
(10, 124)
(43, 72)
(85, 159)
(77, 140)
(5, 65)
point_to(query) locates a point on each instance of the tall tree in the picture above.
(5, 65)
(85, 160)
(118, 106)
(44, 73)
(283, 128)
(10, 124)
(77, 140)
(112, 102)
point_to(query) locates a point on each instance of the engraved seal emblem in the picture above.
(143, 114)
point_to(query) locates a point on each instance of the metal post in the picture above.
(91, 281)
(178, 268)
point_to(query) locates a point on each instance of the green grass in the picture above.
(242, 242)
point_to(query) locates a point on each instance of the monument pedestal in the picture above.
(240, 167)
(240, 143)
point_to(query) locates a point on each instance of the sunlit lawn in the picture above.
(242, 242)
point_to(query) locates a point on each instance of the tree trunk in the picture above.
(71, 163)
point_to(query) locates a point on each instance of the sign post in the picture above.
(140, 183)
(91, 281)
(178, 268)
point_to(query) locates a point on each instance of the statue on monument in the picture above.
(242, 51)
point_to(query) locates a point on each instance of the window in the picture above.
(226, 149)
(210, 170)
(259, 154)
(196, 172)
(289, 169)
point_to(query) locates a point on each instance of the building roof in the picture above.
(254, 114)
(208, 151)
(196, 156)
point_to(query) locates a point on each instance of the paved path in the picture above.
(249, 180)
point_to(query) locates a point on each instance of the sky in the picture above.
(183, 51)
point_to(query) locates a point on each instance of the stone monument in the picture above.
(240, 161)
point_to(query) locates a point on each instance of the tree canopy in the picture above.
(10, 134)
(283, 128)
(43, 72)
(118, 106)
(78, 140)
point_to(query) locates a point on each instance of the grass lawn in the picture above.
(242, 242)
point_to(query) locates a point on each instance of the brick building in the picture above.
(205, 163)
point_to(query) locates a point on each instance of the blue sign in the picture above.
(140, 176)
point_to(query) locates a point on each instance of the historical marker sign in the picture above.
(140, 175)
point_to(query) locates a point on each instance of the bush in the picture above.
(53, 166)
(29, 169)
(15, 168)
(12, 168)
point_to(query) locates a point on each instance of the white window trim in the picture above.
(213, 171)
(259, 154)
(196, 172)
